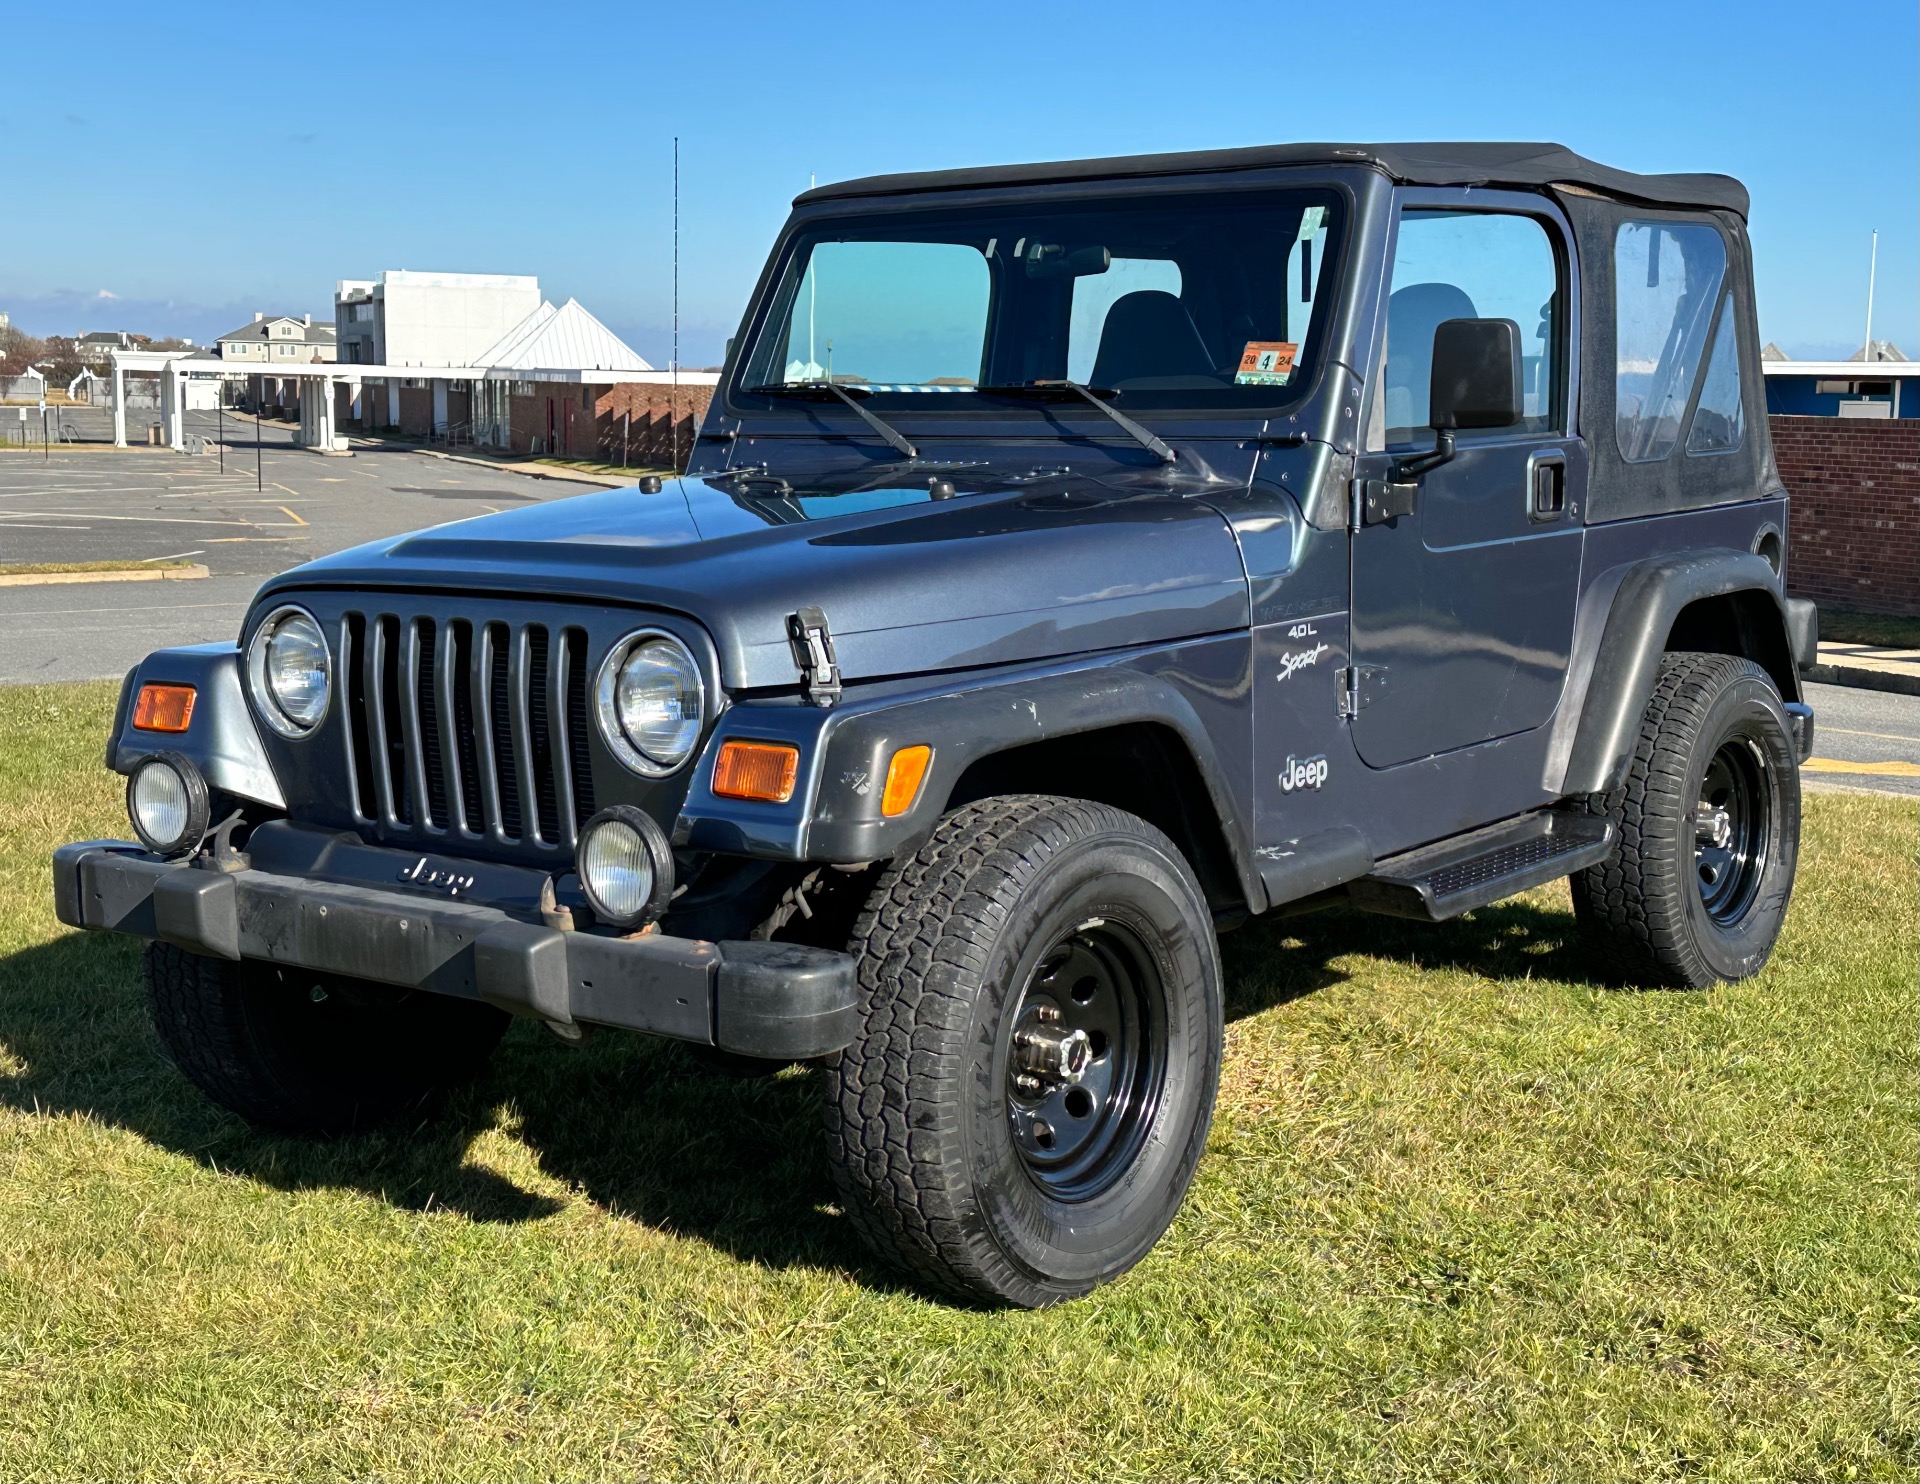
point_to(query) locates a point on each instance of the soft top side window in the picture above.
(1668, 278)
(1467, 265)
(1718, 426)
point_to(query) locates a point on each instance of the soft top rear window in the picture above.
(1168, 302)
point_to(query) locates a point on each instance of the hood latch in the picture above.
(813, 652)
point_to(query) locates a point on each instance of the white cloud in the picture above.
(106, 294)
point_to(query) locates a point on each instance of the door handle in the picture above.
(1546, 487)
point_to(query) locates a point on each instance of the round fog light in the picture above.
(625, 867)
(167, 802)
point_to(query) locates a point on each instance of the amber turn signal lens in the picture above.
(905, 774)
(163, 708)
(756, 770)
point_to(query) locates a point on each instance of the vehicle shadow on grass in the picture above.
(645, 1129)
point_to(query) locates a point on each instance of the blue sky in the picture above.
(216, 159)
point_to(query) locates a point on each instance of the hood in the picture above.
(909, 584)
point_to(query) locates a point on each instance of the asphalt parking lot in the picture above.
(92, 503)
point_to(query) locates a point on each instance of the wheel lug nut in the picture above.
(1028, 1083)
(1047, 1014)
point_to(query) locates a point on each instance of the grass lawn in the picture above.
(1465, 1215)
(1887, 630)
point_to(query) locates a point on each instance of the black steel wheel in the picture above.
(1086, 1060)
(1731, 825)
(1708, 818)
(1021, 1112)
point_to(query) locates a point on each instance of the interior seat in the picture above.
(1413, 314)
(1149, 337)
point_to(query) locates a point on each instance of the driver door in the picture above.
(1463, 608)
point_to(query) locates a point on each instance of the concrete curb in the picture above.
(1860, 679)
(117, 574)
(543, 471)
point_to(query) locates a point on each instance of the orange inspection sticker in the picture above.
(1266, 363)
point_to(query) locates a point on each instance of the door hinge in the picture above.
(813, 652)
(1377, 501)
(1358, 686)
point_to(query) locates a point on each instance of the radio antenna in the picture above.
(673, 394)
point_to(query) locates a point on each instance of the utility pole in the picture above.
(1873, 262)
(673, 395)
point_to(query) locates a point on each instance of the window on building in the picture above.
(1667, 282)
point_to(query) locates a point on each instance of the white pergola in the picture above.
(318, 378)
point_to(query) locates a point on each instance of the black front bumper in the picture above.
(777, 1000)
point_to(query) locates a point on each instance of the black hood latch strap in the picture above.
(813, 652)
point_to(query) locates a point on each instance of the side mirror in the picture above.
(1476, 374)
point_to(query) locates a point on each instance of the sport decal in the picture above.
(1290, 664)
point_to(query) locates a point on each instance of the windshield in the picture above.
(1168, 302)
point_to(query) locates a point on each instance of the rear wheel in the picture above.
(1040, 999)
(1708, 818)
(311, 1053)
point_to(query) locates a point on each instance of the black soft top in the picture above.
(1484, 164)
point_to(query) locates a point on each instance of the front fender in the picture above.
(221, 738)
(835, 815)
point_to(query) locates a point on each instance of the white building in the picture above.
(403, 318)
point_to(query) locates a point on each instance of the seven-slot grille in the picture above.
(468, 728)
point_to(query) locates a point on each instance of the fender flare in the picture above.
(221, 738)
(1614, 670)
(850, 746)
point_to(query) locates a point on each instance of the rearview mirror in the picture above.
(1476, 374)
(1051, 260)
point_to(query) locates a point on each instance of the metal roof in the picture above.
(1473, 163)
(567, 339)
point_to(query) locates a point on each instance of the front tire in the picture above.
(1708, 818)
(1021, 1113)
(306, 1053)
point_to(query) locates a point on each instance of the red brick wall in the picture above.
(635, 423)
(1854, 540)
(588, 422)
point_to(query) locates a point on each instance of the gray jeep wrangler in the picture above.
(1077, 559)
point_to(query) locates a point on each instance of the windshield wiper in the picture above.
(1140, 435)
(813, 388)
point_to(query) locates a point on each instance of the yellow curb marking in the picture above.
(1882, 770)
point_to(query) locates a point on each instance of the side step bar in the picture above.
(1453, 876)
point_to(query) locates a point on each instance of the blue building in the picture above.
(1879, 388)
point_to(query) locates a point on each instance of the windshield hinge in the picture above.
(813, 652)
(1357, 686)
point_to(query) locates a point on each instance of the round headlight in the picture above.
(167, 802)
(625, 867)
(290, 672)
(651, 702)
